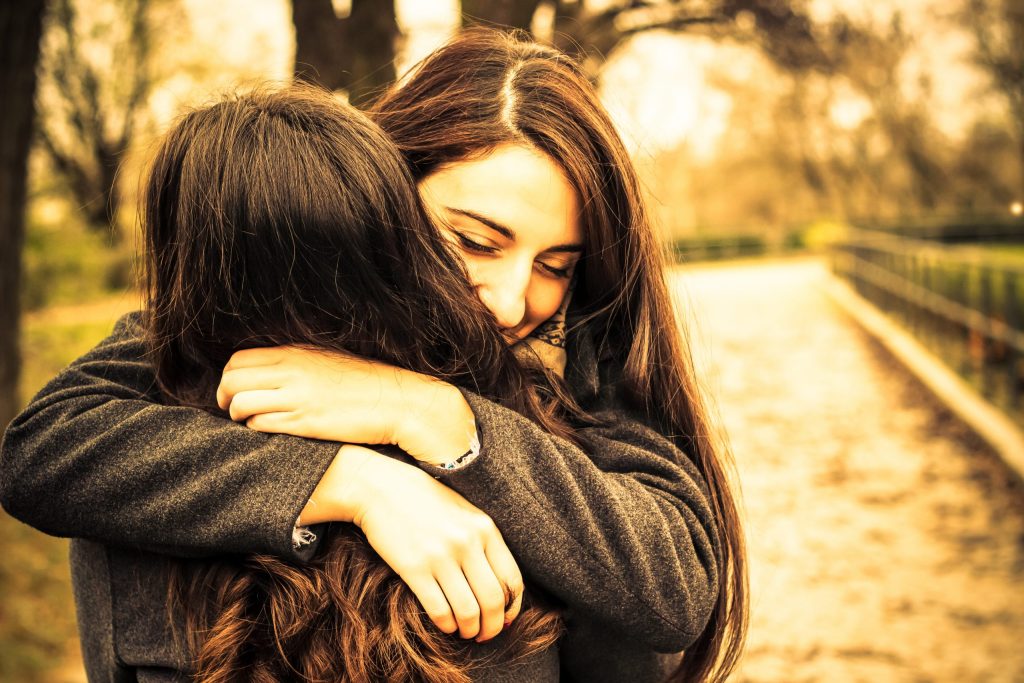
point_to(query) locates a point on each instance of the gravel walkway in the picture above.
(886, 542)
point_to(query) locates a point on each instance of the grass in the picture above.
(37, 622)
(1013, 251)
(38, 637)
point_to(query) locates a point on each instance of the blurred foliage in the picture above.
(1013, 251)
(38, 635)
(998, 28)
(50, 343)
(786, 159)
(822, 234)
(37, 628)
(856, 142)
(64, 263)
(96, 77)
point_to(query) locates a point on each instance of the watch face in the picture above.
(468, 456)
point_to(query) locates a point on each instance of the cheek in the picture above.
(545, 297)
(474, 269)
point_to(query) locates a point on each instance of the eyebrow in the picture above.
(508, 234)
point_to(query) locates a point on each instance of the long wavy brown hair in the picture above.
(486, 88)
(286, 217)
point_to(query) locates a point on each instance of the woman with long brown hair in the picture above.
(626, 519)
(288, 218)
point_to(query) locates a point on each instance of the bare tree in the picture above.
(89, 114)
(511, 13)
(871, 62)
(354, 53)
(998, 27)
(782, 30)
(20, 28)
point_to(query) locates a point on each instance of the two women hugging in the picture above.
(438, 321)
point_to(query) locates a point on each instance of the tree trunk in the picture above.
(110, 159)
(319, 43)
(1017, 114)
(356, 54)
(20, 28)
(514, 13)
(1020, 149)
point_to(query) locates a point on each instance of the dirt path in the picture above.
(885, 542)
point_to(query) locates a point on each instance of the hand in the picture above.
(449, 553)
(339, 397)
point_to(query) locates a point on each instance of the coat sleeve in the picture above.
(620, 530)
(95, 455)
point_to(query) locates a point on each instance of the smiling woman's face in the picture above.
(515, 219)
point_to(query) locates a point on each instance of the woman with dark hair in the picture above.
(614, 498)
(289, 218)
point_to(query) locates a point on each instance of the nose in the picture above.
(505, 295)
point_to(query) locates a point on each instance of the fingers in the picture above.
(449, 553)
(461, 598)
(274, 423)
(453, 605)
(247, 358)
(489, 593)
(251, 403)
(237, 380)
(505, 568)
(275, 355)
(431, 597)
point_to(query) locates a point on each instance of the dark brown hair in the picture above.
(287, 217)
(487, 88)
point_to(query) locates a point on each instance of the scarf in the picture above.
(546, 343)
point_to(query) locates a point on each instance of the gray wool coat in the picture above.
(620, 533)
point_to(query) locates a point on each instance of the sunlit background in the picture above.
(841, 185)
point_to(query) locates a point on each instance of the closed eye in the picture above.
(473, 245)
(561, 273)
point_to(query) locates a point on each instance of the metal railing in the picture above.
(693, 248)
(963, 303)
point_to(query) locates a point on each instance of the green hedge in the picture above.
(65, 264)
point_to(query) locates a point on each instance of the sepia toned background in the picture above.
(841, 185)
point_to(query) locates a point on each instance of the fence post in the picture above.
(927, 315)
(985, 334)
(1011, 314)
(960, 295)
(914, 306)
(952, 300)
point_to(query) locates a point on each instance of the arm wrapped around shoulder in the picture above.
(622, 531)
(96, 455)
